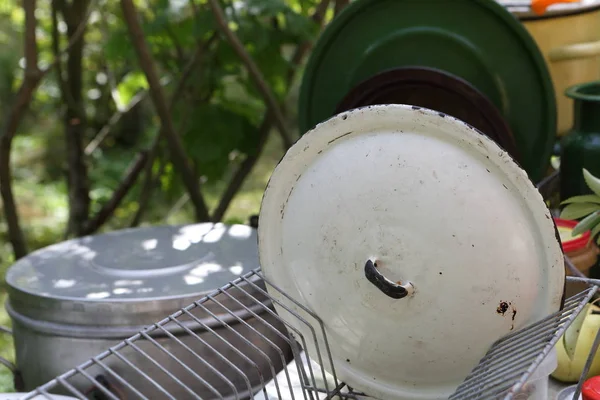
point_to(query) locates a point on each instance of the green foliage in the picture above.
(592, 182)
(217, 113)
(589, 222)
(586, 198)
(578, 210)
(214, 132)
(227, 106)
(586, 207)
(131, 84)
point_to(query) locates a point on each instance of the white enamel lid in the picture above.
(443, 211)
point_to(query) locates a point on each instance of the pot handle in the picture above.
(575, 51)
(395, 290)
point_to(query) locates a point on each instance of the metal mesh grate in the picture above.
(211, 350)
(503, 372)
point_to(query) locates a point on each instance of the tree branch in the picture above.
(32, 78)
(55, 5)
(148, 184)
(23, 98)
(175, 42)
(243, 171)
(245, 168)
(114, 120)
(77, 33)
(318, 17)
(129, 179)
(31, 51)
(119, 112)
(75, 120)
(178, 154)
(255, 73)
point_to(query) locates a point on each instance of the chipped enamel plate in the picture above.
(415, 239)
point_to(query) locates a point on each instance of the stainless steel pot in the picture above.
(72, 301)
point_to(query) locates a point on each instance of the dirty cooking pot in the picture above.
(71, 301)
(415, 261)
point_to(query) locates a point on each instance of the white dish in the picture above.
(443, 210)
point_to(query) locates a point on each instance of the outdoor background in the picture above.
(118, 114)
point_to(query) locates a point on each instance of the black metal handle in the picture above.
(388, 287)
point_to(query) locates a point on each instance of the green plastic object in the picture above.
(581, 146)
(476, 40)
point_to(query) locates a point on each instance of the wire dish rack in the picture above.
(501, 373)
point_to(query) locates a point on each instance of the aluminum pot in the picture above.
(568, 35)
(72, 301)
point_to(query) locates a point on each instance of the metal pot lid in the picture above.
(522, 8)
(144, 263)
(390, 223)
(436, 90)
(505, 64)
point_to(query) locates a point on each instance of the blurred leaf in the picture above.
(274, 68)
(17, 15)
(301, 27)
(118, 46)
(129, 86)
(595, 231)
(204, 23)
(235, 97)
(592, 181)
(213, 134)
(578, 210)
(294, 24)
(588, 198)
(99, 196)
(266, 7)
(587, 223)
(166, 178)
(228, 61)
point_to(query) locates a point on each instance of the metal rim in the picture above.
(578, 92)
(356, 8)
(122, 332)
(482, 113)
(114, 314)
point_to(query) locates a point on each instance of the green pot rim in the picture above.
(574, 92)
